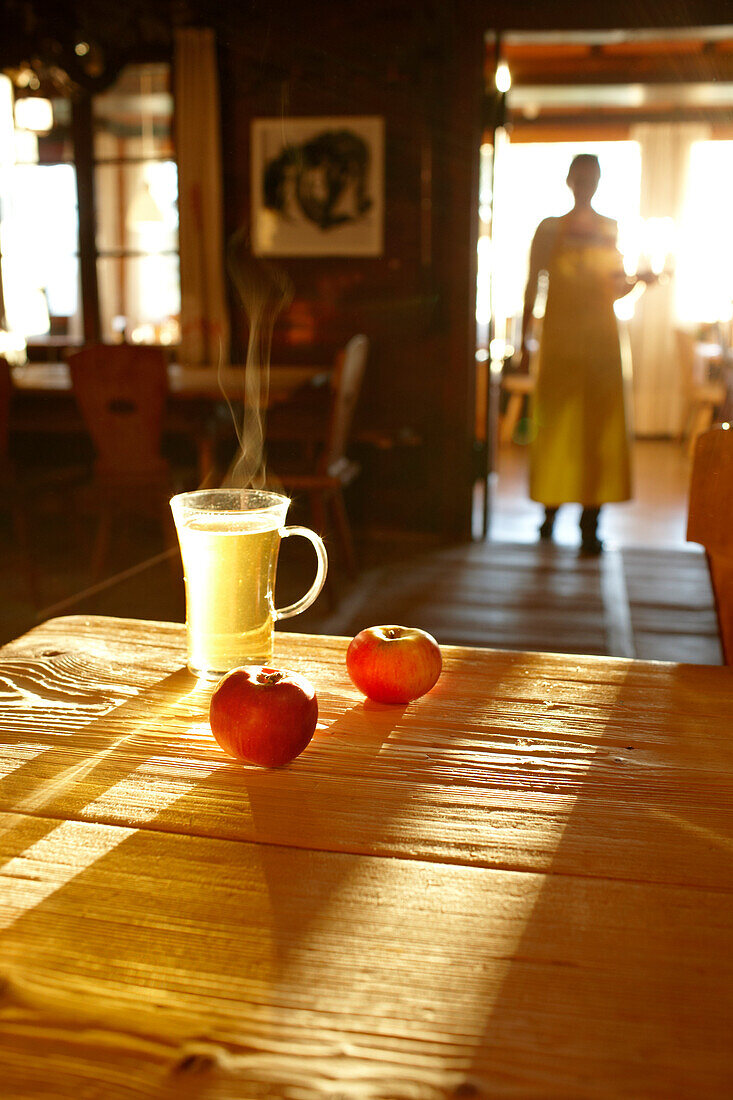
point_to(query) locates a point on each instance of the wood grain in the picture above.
(267, 971)
(518, 886)
(493, 764)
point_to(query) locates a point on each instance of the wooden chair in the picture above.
(710, 521)
(702, 395)
(121, 392)
(332, 470)
(519, 388)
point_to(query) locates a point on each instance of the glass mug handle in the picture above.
(315, 588)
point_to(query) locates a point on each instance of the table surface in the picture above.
(518, 886)
(183, 381)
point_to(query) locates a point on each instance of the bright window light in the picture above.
(34, 114)
(529, 186)
(704, 263)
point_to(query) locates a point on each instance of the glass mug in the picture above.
(229, 541)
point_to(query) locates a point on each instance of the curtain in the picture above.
(204, 317)
(658, 375)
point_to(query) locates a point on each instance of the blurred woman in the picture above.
(580, 446)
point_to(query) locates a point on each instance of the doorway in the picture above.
(645, 103)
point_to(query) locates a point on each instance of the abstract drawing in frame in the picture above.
(318, 186)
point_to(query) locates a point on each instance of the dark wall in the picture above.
(412, 66)
(419, 65)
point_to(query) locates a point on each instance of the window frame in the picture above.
(85, 163)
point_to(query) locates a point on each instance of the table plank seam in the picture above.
(402, 857)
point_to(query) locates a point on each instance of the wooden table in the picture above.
(44, 399)
(185, 383)
(518, 886)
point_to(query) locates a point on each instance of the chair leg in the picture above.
(511, 417)
(343, 531)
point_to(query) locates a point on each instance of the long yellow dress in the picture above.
(580, 440)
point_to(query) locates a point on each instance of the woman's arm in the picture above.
(537, 263)
(624, 284)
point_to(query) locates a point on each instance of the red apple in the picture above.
(393, 664)
(264, 716)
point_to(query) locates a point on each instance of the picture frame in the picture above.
(318, 186)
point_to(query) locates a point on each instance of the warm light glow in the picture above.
(703, 268)
(25, 143)
(152, 792)
(503, 78)
(658, 242)
(483, 281)
(26, 873)
(26, 307)
(38, 227)
(624, 308)
(34, 113)
(529, 186)
(143, 210)
(81, 49)
(13, 348)
(26, 876)
(143, 334)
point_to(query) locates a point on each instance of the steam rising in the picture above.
(264, 290)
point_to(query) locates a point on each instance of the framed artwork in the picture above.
(318, 186)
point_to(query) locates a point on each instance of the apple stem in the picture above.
(269, 676)
(392, 633)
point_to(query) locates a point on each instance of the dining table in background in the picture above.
(517, 886)
(43, 398)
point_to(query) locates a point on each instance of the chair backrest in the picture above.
(710, 521)
(121, 392)
(345, 384)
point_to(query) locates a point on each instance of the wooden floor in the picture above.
(647, 596)
(655, 516)
(646, 603)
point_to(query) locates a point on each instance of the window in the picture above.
(39, 226)
(130, 287)
(136, 188)
(704, 269)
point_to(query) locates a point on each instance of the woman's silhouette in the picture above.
(580, 445)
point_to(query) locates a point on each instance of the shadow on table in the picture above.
(530, 930)
(609, 976)
(181, 958)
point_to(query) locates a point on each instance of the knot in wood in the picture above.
(466, 1091)
(195, 1063)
